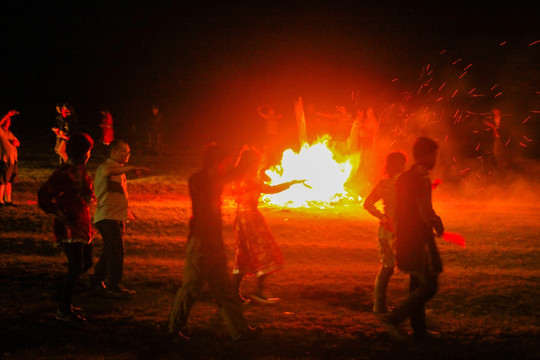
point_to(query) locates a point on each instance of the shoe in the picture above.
(118, 292)
(68, 316)
(428, 335)
(261, 299)
(395, 334)
(250, 333)
(10, 204)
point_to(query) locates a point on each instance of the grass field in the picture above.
(487, 306)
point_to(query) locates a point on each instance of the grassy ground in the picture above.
(487, 306)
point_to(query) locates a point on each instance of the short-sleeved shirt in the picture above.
(8, 151)
(111, 193)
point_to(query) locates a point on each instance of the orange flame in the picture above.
(325, 177)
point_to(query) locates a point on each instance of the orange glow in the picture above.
(325, 174)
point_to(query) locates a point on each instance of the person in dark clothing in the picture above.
(205, 253)
(66, 195)
(416, 251)
(66, 124)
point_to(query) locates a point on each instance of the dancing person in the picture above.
(66, 124)
(8, 159)
(107, 129)
(110, 218)
(205, 252)
(416, 250)
(257, 253)
(385, 190)
(66, 195)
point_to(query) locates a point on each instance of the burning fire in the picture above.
(324, 176)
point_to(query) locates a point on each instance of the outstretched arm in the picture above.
(8, 116)
(119, 170)
(274, 189)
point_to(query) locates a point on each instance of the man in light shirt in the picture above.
(111, 215)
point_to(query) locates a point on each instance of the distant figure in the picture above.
(416, 251)
(271, 127)
(106, 127)
(110, 217)
(257, 253)
(155, 132)
(66, 195)
(385, 191)
(205, 252)
(8, 159)
(66, 124)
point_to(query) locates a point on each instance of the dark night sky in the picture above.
(209, 64)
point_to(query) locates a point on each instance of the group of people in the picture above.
(67, 194)
(406, 238)
(406, 233)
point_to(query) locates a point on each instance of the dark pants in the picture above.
(79, 261)
(423, 286)
(110, 265)
(200, 268)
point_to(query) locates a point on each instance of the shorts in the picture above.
(8, 173)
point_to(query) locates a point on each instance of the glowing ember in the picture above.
(324, 177)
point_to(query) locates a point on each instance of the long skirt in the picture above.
(257, 253)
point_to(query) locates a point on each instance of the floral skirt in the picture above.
(257, 253)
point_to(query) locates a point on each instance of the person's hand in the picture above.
(140, 171)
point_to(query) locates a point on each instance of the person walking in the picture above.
(67, 194)
(205, 253)
(385, 190)
(416, 250)
(110, 218)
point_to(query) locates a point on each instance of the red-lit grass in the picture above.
(487, 305)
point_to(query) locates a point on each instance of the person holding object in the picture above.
(110, 217)
(385, 191)
(416, 251)
(66, 194)
(8, 159)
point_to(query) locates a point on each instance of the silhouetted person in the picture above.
(385, 190)
(416, 251)
(66, 195)
(205, 252)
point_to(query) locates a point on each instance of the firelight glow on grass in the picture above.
(324, 177)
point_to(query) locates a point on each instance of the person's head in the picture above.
(395, 163)
(214, 154)
(119, 151)
(425, 152)
(78, 148)
(249, 160)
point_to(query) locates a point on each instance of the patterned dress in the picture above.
(257, 253)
